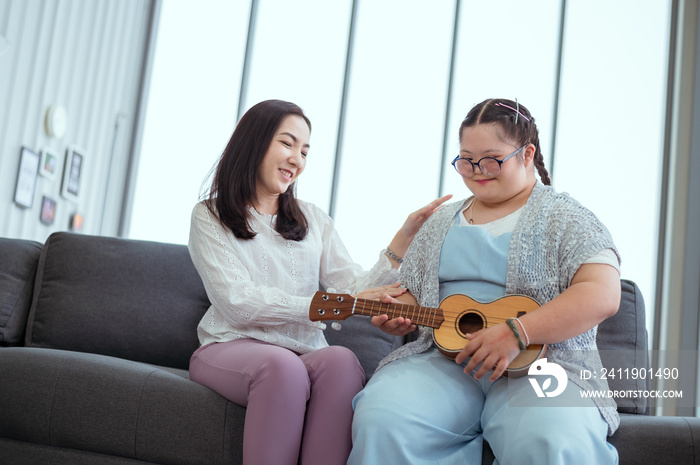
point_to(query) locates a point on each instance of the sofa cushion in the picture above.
(622, 342)
(110, 406)
(19, 260)
(131, 299)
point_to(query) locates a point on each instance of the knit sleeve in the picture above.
(553, 238)
(582, 236)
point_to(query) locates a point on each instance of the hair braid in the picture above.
(539, 164)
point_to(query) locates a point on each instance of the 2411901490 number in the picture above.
(632, 373)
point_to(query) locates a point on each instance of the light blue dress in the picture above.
(473, 263)
(423, 409)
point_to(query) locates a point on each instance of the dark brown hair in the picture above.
(233, 188)
(516, 123)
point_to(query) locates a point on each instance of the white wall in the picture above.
(88, 57)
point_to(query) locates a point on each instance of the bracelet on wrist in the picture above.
(511, 324)
(393, 256)
(527, 338)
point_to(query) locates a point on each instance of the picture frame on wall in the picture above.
(76, 222)
(49, 164)
(26, 177)
(73, 173)
(48, 211)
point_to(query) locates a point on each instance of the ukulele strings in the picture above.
(422, 312)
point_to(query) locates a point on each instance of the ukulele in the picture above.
(457, 315)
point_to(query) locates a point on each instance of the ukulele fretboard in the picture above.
(421, 316)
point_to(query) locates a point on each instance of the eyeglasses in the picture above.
(488, 166)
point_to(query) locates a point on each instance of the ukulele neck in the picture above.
(421, 316)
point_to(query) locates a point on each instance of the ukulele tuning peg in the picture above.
(335, 325)
(322, 326)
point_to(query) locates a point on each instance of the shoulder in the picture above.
(203, 221)
(559, 216)
(545, 200)
(432, 233)
(440, 221)
(451, 209)
(547, 195)
(201, 212)
(314, 214)
(445, 215)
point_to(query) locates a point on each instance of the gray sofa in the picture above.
(95, 339)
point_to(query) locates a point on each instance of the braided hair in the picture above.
(516, 123)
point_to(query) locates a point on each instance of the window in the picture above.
(299, 55)
(191, 112)
(611, 124)
(395, 117)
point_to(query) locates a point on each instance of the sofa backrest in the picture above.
(623, 344)
(18, 262)
(136, 300)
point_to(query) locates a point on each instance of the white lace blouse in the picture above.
(261, 288)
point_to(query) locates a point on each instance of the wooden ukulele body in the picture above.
(465, 315)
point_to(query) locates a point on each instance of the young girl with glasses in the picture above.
(514, 236)
(261, 254)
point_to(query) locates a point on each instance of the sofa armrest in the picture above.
(622, 342)
(643, 439)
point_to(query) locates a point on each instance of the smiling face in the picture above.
(516, 175)
(284, 161)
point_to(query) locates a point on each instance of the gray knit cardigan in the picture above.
(552, 238)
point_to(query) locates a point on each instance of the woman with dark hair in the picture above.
(514, 237)
(262, 254)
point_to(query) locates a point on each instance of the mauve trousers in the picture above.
(299, 407)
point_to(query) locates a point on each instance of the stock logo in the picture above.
(547, 371)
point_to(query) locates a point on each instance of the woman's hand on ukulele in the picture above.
(398, 326)
(387, 294)
(490, 349)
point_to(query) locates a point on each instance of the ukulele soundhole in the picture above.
(471, 322)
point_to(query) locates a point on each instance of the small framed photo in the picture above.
(48, 211)
(49, 164)
(73, 173)
(26, 177)
(76, 222)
